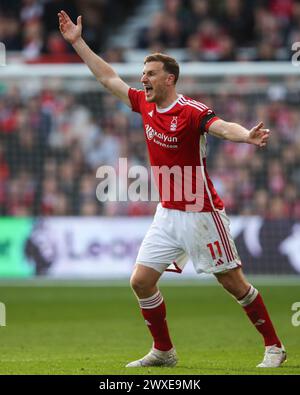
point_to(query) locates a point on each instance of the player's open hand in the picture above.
(258, 135)
(68, 29)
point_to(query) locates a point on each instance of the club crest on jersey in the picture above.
(173, 126)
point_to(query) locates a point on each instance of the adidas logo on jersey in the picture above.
(150, 113)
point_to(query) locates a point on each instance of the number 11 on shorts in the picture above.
(215, 248)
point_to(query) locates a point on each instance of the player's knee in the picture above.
(234, 287)
(138, 283)
(226, 283)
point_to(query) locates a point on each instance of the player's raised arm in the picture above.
(103, 72)
(258, 135)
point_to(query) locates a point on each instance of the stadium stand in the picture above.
(51, 144)
(52, 141)
(204, 30)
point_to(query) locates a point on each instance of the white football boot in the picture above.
(156, 358)
(274, 357)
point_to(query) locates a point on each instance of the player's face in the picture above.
(155, 81)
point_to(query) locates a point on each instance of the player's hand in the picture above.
(68, 29)
(258, 135)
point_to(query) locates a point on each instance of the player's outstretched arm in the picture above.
(103, 72)
(258, 135)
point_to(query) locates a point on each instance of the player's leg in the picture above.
(213, 250)
(234, 282)
(250, 299)
(144, 280)
(157, 252)
(144, 284)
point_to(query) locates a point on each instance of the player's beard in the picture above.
(150, 98)
(157, 96)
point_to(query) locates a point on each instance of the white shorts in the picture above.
(174, 236)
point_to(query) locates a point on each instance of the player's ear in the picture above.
(171, 79)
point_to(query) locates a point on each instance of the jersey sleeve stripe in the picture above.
(186, 101)
(197, 104)
(194, 102)
(202, 109)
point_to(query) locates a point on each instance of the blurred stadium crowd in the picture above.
(222, 30)
(30, 27)
(51, 145)
(226, 30)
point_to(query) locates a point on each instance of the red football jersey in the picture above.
(176, 140)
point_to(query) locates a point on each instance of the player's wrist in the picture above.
(247, 138)
(76, 42)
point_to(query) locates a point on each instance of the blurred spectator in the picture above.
(193, 53)
(56, 51)
(31, 10)
(50, 196)
(227, 49)
(10, 33)
(266, 52)
(277, 208)
(32, 40)
(89, 208)
(61, 206)
(103, 150)
(236, 19)
(209, 40)
(151, 34)
(4, 168)
(197, 12)
(114, 55)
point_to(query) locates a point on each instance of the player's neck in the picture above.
(168, 101)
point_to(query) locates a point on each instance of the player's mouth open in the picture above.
(148, 89)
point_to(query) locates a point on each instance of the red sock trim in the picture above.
(260, 318)
(156, 321)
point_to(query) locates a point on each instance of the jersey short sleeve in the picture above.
(202, 118)
(206, 120)
(136, 97)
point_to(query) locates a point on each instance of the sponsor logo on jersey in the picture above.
(151, 133)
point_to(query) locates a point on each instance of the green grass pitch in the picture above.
(97, 330)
